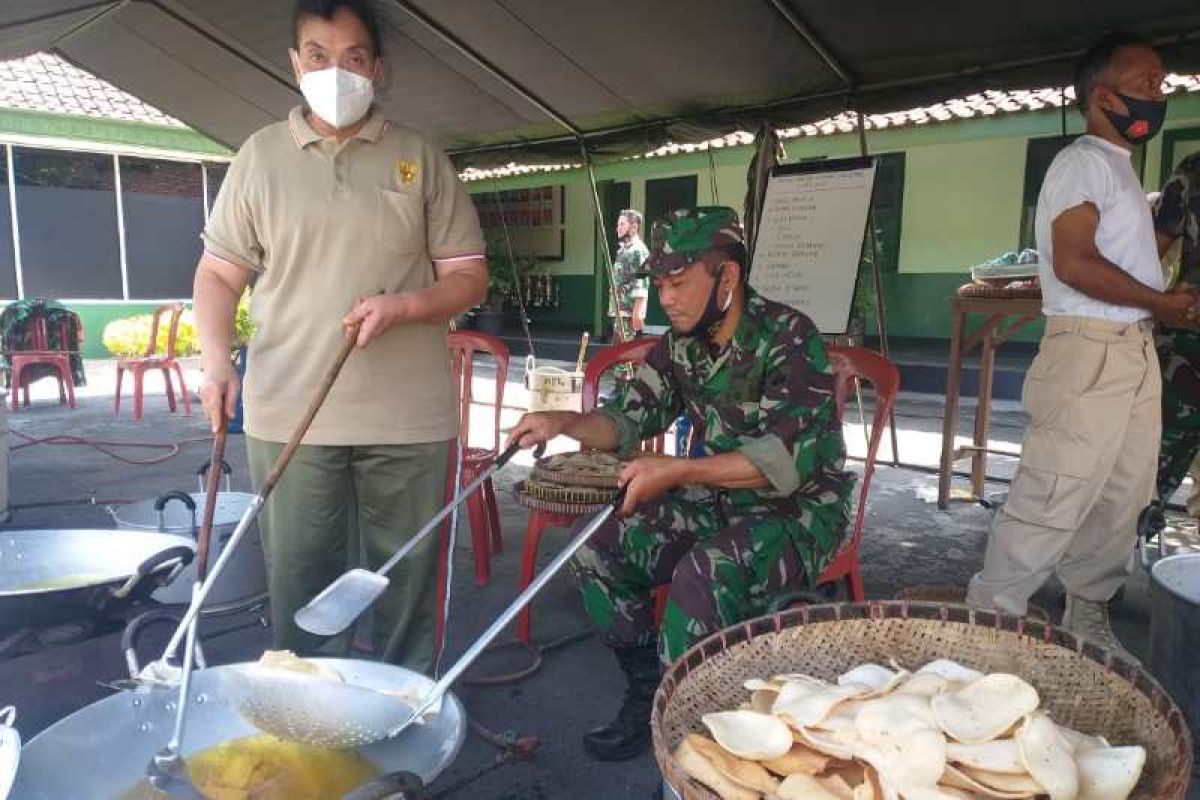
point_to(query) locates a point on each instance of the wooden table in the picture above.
(997, 327)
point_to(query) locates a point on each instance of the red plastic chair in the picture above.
(482, 509)
(152, 360)
(40, 353)
(634, 351)
(849, 364)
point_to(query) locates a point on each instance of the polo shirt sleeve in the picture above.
(232, 230)
(1074, 178)
(452, 224)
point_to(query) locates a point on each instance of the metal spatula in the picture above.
(162, 667)
(167, 770)
(344, 600)
(305, 708)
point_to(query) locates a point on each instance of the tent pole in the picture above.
(618, 321)
(805, 32)
(512, 260)
(712, 177)
(880, 315)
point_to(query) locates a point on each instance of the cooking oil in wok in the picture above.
(63, 582)
(266, 768)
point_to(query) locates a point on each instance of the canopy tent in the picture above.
(490, 78)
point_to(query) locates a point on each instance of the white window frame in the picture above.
(10, 141)
(16, 230)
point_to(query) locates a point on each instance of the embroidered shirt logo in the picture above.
(406, 171)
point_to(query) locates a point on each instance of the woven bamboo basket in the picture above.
(1081, 686)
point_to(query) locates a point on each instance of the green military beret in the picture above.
(678, 240)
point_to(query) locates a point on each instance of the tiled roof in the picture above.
(509, 170)
(45, 82)
(986, 104)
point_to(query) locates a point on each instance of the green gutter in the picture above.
(108, 131)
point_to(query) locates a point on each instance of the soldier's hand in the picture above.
(538, 427)
(1178, 309)
(648, 477)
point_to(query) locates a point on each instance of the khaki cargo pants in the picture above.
(308, 537)
(1087, 469)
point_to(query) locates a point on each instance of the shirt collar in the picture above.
(1091, 138)
(304, 134)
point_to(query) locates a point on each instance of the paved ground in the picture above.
(908, 542)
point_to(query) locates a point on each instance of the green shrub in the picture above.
(128, 337)
(243, 326)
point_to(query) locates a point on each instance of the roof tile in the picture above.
(45, 82)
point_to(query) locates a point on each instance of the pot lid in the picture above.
(1180, 575)
(177, 517)
(10, 750)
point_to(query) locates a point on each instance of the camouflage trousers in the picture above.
(1179, 358)
(719, 574)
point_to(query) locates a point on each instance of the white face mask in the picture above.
(338, 96)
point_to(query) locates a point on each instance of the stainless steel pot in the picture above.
(49, 577)
(244, 580)
(1175, 628)
(102, 750)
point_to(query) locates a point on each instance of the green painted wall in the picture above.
(962, 203)
(964, 186)
(962, 200)
(94, 316)
(108, 132)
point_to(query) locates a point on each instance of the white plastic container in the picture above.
(553, 388)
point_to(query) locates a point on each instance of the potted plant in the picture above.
(503, 272)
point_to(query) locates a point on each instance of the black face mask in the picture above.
(1142, 123)
(706, 327)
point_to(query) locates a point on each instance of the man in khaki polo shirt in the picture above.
(341, 217)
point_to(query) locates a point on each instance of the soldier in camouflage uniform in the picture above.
(633, 287)
(1177, 216)
(765, 508)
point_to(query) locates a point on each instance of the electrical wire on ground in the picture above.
(109, 447)
(538, 651)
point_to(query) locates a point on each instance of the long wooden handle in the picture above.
(583, 343)
(211, 490)
(313, 407)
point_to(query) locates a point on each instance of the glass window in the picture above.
(67, 212)
(164, 214)
(887, 205)
(216, 178)
(8, 264)
(1038, 155)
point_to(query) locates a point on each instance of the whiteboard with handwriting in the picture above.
(811, 237)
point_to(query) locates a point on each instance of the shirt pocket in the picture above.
(400, 220)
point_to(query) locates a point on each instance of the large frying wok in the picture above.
(102, 750)
(50, 577)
